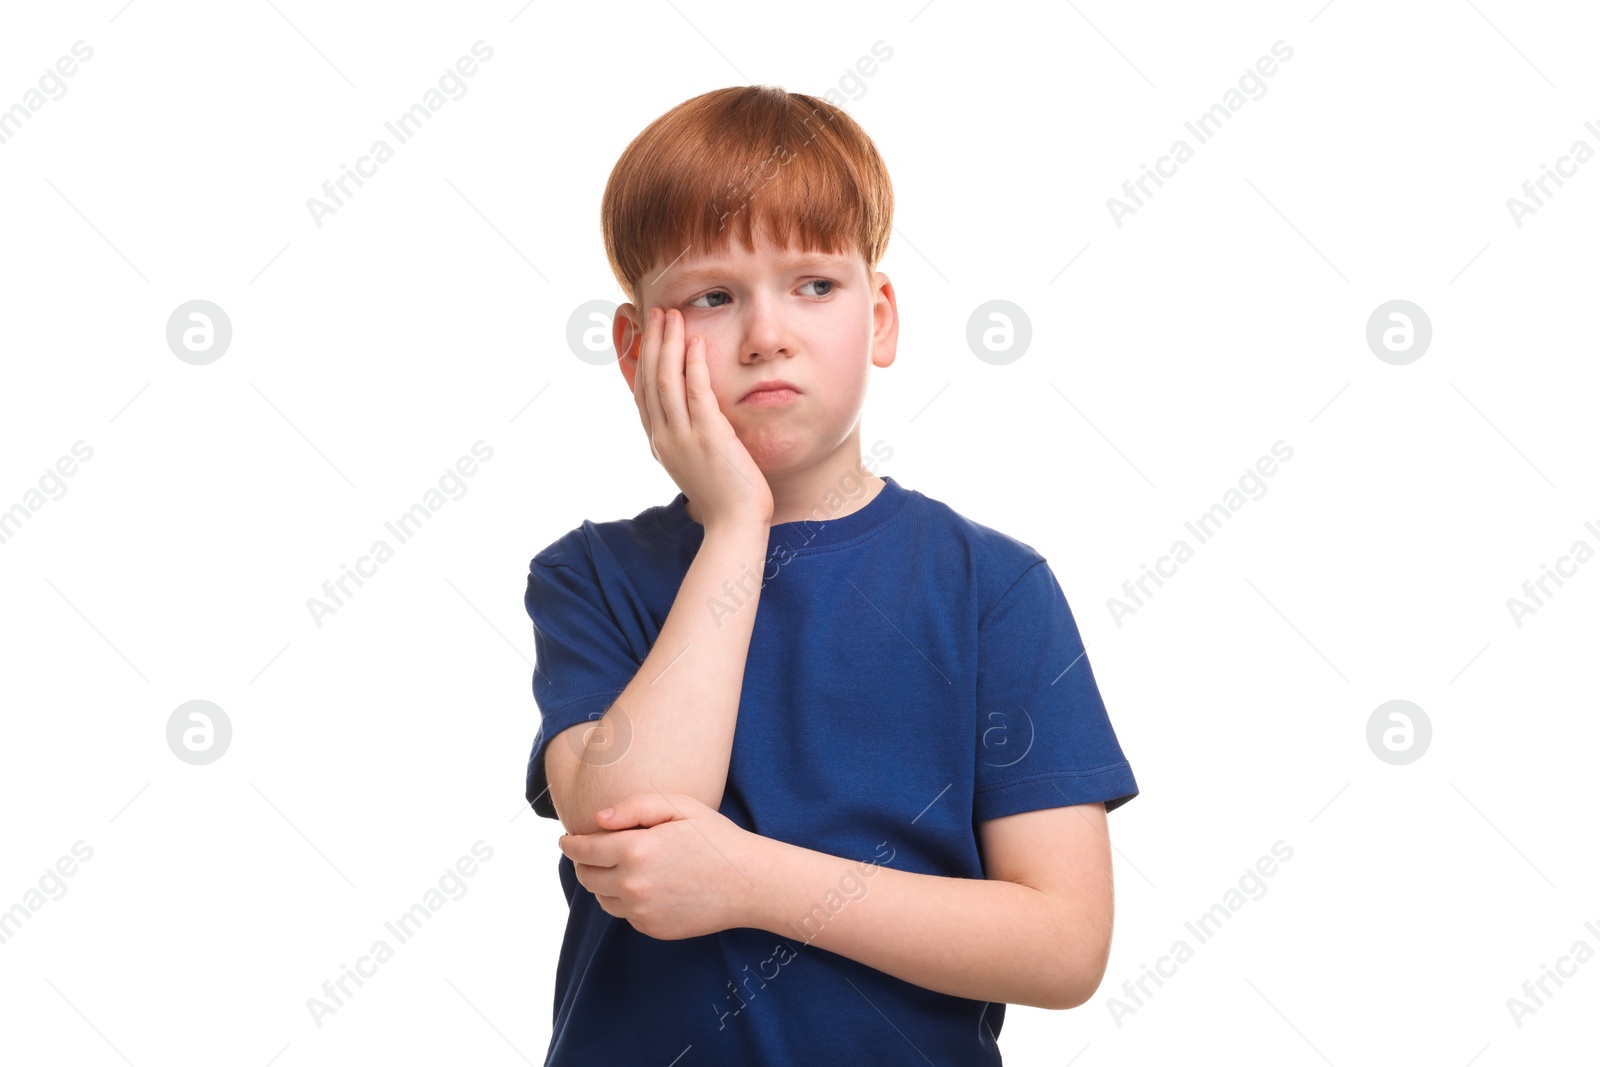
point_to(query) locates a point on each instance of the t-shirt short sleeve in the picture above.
(582, 661)
(1044, 738)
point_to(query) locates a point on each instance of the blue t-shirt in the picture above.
(911, 674)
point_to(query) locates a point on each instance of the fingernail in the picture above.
(605, 814)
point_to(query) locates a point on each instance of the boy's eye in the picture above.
(724, 293)
(702, 296)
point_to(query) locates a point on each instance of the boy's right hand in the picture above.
(688, 433)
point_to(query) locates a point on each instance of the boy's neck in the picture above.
(820, 494)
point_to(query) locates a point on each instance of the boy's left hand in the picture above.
(670, 865)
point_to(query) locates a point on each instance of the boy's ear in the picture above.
(626, 333)
(885, 321)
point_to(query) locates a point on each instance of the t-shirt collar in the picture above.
(803, 534)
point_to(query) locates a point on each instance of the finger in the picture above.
(645, 377)
(701, 401)
(636, 350)
(601, 881)
(669, 371)
(641, 809)
(587, 849)
(591, 855)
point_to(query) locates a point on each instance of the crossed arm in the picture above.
(1035, 931)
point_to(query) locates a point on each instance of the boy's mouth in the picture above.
(769, 397)
(773, 391)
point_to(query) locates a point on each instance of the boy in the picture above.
(833, 765)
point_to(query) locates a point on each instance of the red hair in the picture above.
(738, 160)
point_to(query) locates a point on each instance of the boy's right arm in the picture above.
(674, 721)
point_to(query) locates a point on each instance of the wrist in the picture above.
(740, 527)
(766, 861)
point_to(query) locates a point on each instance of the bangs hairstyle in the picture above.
(729, 161)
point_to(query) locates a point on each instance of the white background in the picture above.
(431, 311)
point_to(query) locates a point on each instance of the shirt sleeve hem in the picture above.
(1113, 784)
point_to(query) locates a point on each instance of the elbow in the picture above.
(1082, 967)
(577, 796)
(573, 818)
(1073, 991)
(576, 816)
(577, 807)
(577, 810)
(1075, 996)
(575, 823)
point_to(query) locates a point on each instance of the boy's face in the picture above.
(810, 319)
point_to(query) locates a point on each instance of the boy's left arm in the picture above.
(1035, 931)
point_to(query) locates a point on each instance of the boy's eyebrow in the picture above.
(712, 270)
